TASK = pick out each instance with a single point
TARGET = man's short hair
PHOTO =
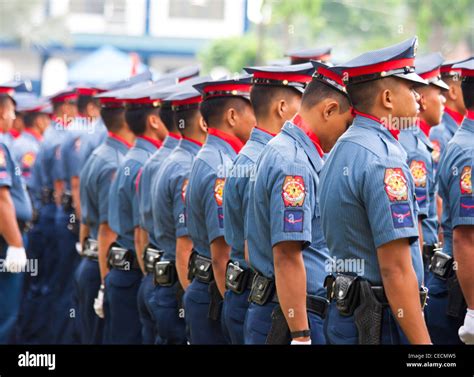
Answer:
(113, 118)
(213, 109)
(137, 118)
(262, 97)
(29, 118)
(185, 117)
(468, 93)
(317, 90)
(167, 116)
(85, 100)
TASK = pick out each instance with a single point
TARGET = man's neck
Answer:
(153, 135)
(195, 133)
(224, 128)
(127, 135)
(272, 126)
(454, 106)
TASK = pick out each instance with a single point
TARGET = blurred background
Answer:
(54, 43)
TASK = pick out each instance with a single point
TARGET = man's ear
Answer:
(231, 117)
(452, 93)
(387, 98)
(331, 107)
(422, 101)
(281, 108)
(153, 121)
(202, 124)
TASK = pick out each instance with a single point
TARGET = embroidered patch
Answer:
(421, 196)
(220, 215)
(419, 173)
(467, 206)
(219, 190)
(401, 215)
(28, 160)
(395, 184)
(466, 181)
(184, 188)
(293, 220)
(436, 152)
(293, 191)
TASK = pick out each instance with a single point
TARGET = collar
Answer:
(300, 123)
(174, 135)
(34, 133)
(233, 141)
(458, 117)
(264, 130)
(190, 145)
(470, 114)
(155, 142)
(15, 133)
(260, 136)
(424, 127)
(193, 141)
(394, 133)
(120, 139)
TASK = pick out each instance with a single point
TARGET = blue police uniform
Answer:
(25, 149)
(236, 201)
(145, 293)
(458, 209)
(169, 215)
(121, 286)
(290, 161)
(96, 180)
(367, 196)
(11, 283)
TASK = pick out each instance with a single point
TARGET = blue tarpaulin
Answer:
(103, 65)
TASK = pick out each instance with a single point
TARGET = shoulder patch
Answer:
(219, 190)
(436, 153)
(466, 181)
(293, 191)
(419, 173)
(184, 188)
(395, 184)
(28, 160)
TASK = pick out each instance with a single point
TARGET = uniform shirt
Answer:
(283, 205)
(6, 138)
(145, 184)
(236, 196)
(169, 196)
(124, 214)
(25, 149)
(442, 133)
(96, 179)
(205, 190)
(420, 161)
(10, 177)
(455, 182)
(367, 199)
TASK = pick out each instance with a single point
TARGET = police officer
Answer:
(169, 215)
(8, 89)
(145, 184)
(123, 281)
(285, 242)
(275, 96)
(419, 149)
(454, 110)
(368, 212)
(15, 211)
(451, 285)
(228, 115)
(95, 182)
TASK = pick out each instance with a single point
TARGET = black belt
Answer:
(379, 293)
(314, 304)
(122, 259)
(47, 196)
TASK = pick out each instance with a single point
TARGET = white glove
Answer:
(466, 331)
(15, 260)
(79, 248)
(300, 343)
(99, 303)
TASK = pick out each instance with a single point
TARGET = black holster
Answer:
(344, 289)
(279, 331)
(215, 305)
(368, 315)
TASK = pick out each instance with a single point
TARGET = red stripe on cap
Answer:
(449, 69)
(64, 97)
(86, 91)
(188, 101)
(379, 67)
(330, 75)
(430, 74)
(9, 91)
(143, 100)
(467, 72)
(228, 87)
(296, 77)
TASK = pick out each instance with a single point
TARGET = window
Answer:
(204, 9)
(87, 6)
